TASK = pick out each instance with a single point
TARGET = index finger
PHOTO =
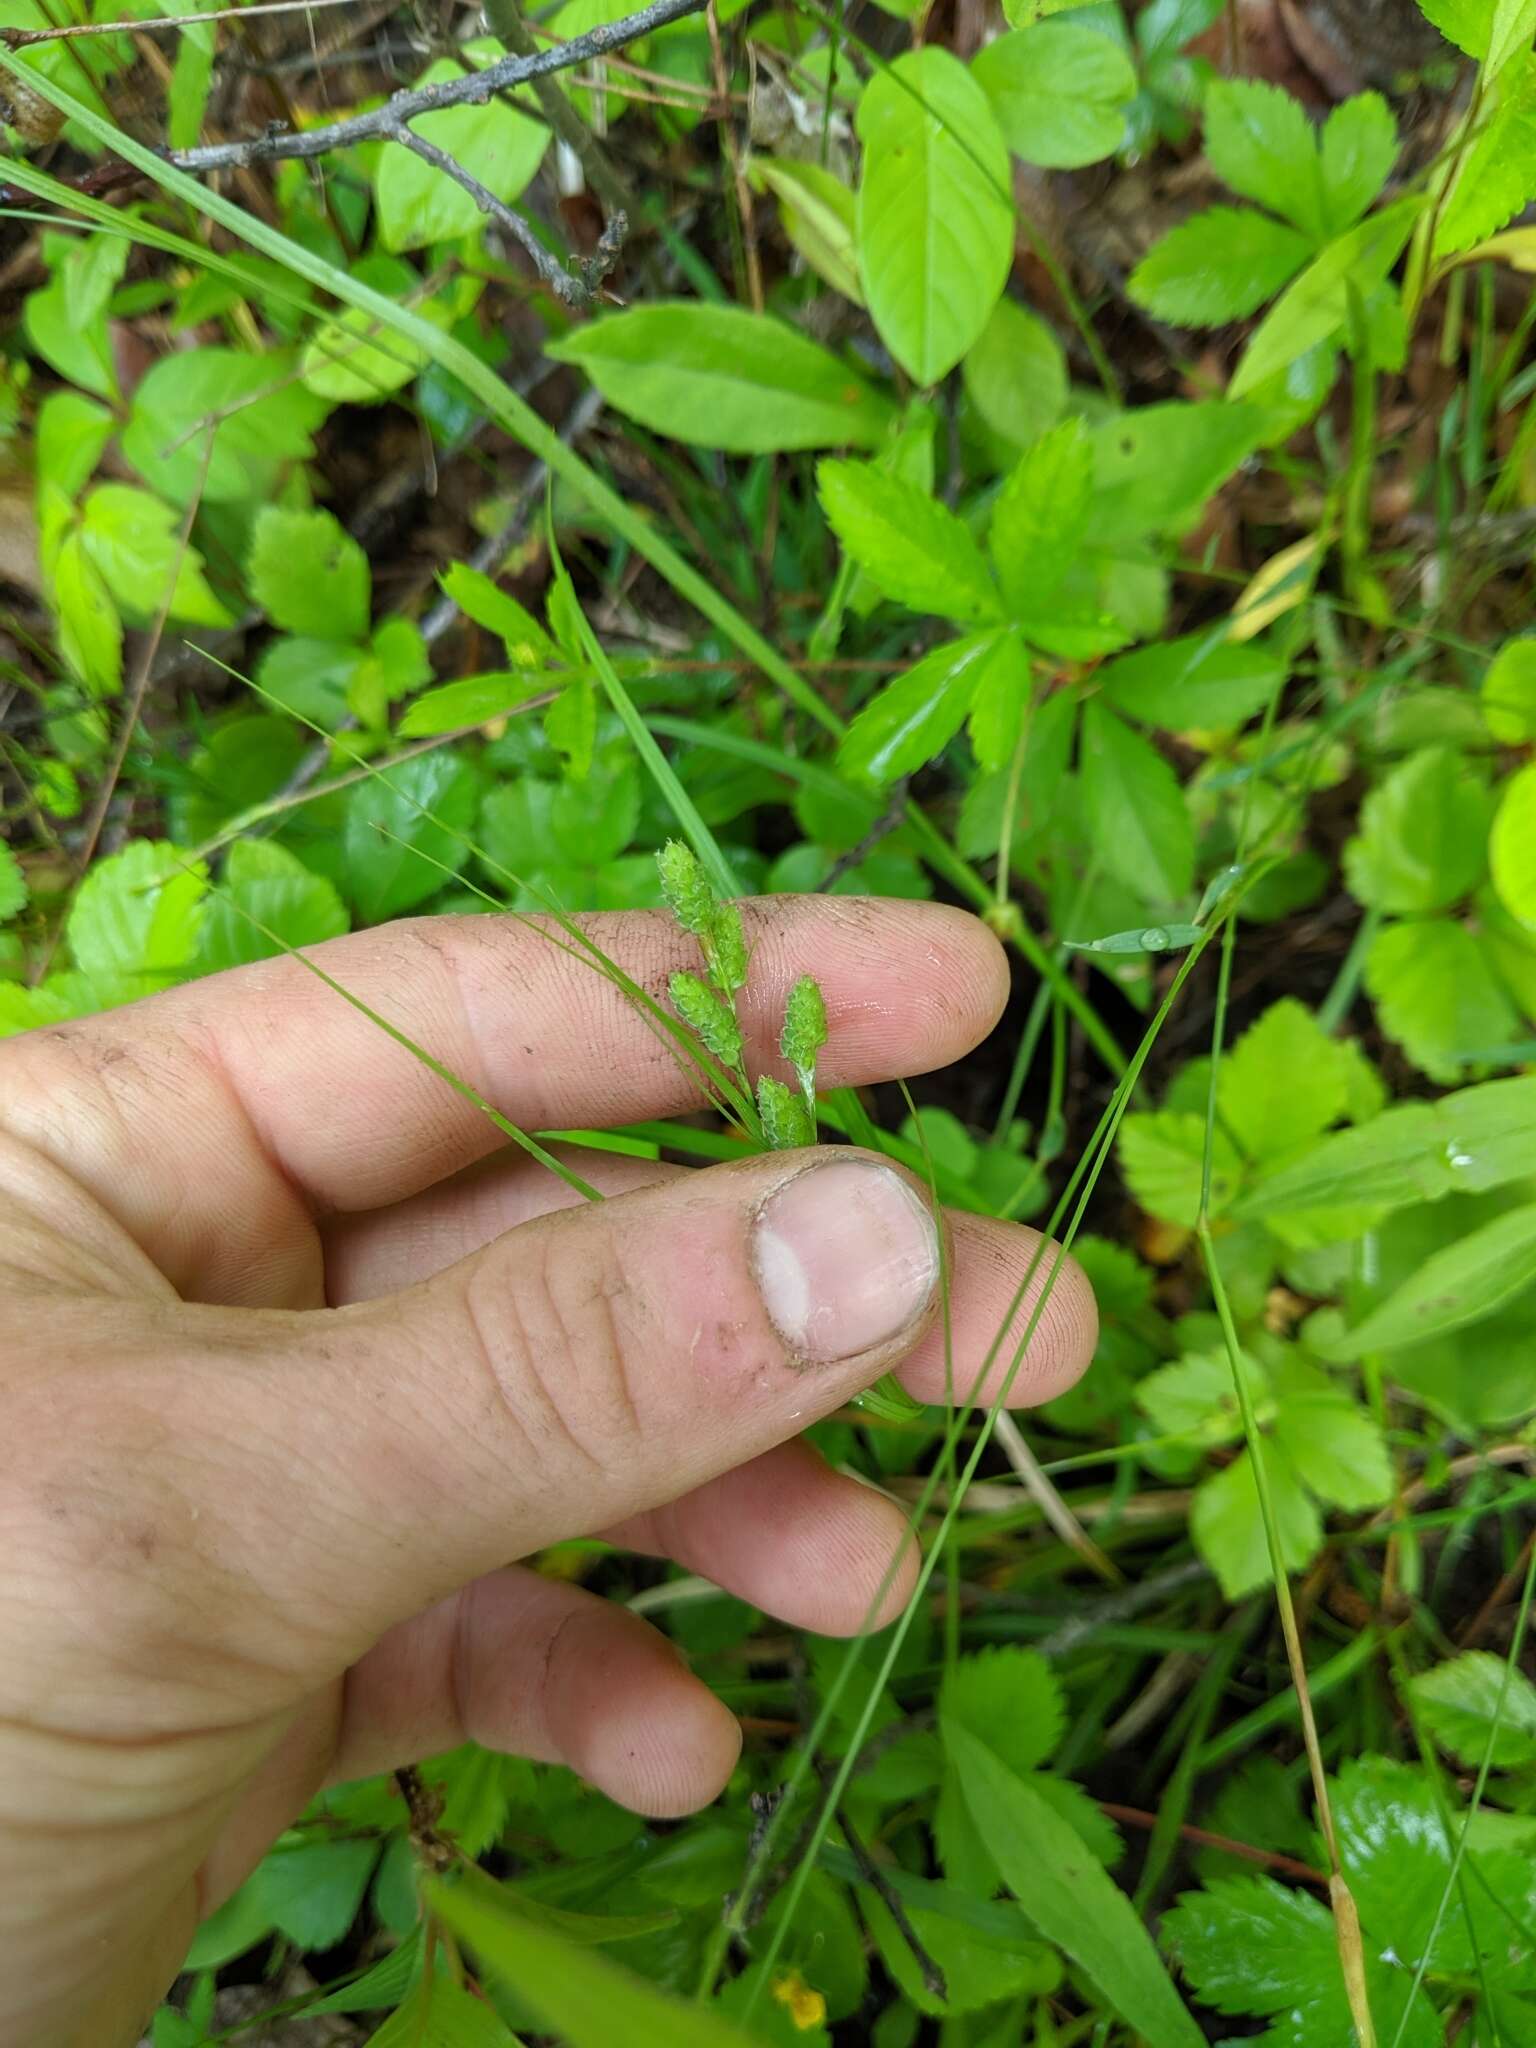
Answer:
(270, 1085)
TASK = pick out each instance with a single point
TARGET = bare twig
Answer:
(506, 19)
(933, 1977)
(473, 89)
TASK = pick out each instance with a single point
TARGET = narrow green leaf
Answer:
(1316, 306)
(1067, 1894)
(917, 716)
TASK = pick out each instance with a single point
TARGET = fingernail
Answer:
(846, 1257)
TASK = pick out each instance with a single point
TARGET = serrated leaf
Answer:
(1197, 1397)
(1136, 810)
(729, 379)
(266, 883)
(1201, 682)
(935, 210)
(1219, 265)
(1283, 1082)
(1161, 1157)
(135, 542)
(395, 856)
(138, 912)
(476, 700)
(1040, 517)
(1316, 307)
(1228, 1528)
(1499, 172)
(1011, 1700)
(1357, 150)
(1336, 1445)
(1000, 701)
(1471, 1698)
(1060, 92)
(1067, 1894)
(1463, 1282)
(309, 575)
(912, 548)
(1436, 994)
(1250, 1945)
(1259, 141)
(312, 1892)
(916, 717)
(1422, 837)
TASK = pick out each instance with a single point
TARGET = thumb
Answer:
(597, 1362)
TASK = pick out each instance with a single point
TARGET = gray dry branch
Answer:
(391, 123)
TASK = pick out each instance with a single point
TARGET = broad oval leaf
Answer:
(724, 378)
(1201, 682)
(1436, 993)
(1512, 846)
(1060, 92)
(1467, 1280)
(397, 854)
(935, 214)
(917, 716)
(1067, 1893)
(419, 204)
(1015, 374)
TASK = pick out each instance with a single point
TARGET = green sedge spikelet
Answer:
(707, 1017)
(686, 888)
(804, 1034)
(783, 1116)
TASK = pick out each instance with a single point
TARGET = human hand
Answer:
(292, 1365)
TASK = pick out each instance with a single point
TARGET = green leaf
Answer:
(90, 630)
(1499, 171)
(978, 1969)
(1259, 141)
(935, 211)
(238, 1925)
(72, 433)
(1509, 693)
(1196, 1396)
(912, 548)
(1011, 1700)
(1135, 807)
(309, 575)
(742, 382)
(577, 1993)
(1202, 682)
(1423, 834)
(312, 1892)
(1512, 846)
(1466, 23)
(1041, 516)
(135, 542)
(441, 2014)
(66, 319)
(819, 214)
(219, 422)
(1436, 994)
(353, 360)
(1067, 1895)
(1316, 307)
(1465, 1281)
(1000, 701)
(1156, 468)
(1472, 1697)
(419, 204)
(1219, 265)
(268, 883)
(1015, 374)
(1283, 1082)
(1250, 1945)
(393, 869)
(1060, 92)
(1335, 1444)
(13, 885)
(478, 598)
(1161, 1156)
(474, 701)
(1358, 148)
(311, 679)
(138, 912)
(1228, 1528)
(382, 1987)
(1472, 1140)
(917, 716)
